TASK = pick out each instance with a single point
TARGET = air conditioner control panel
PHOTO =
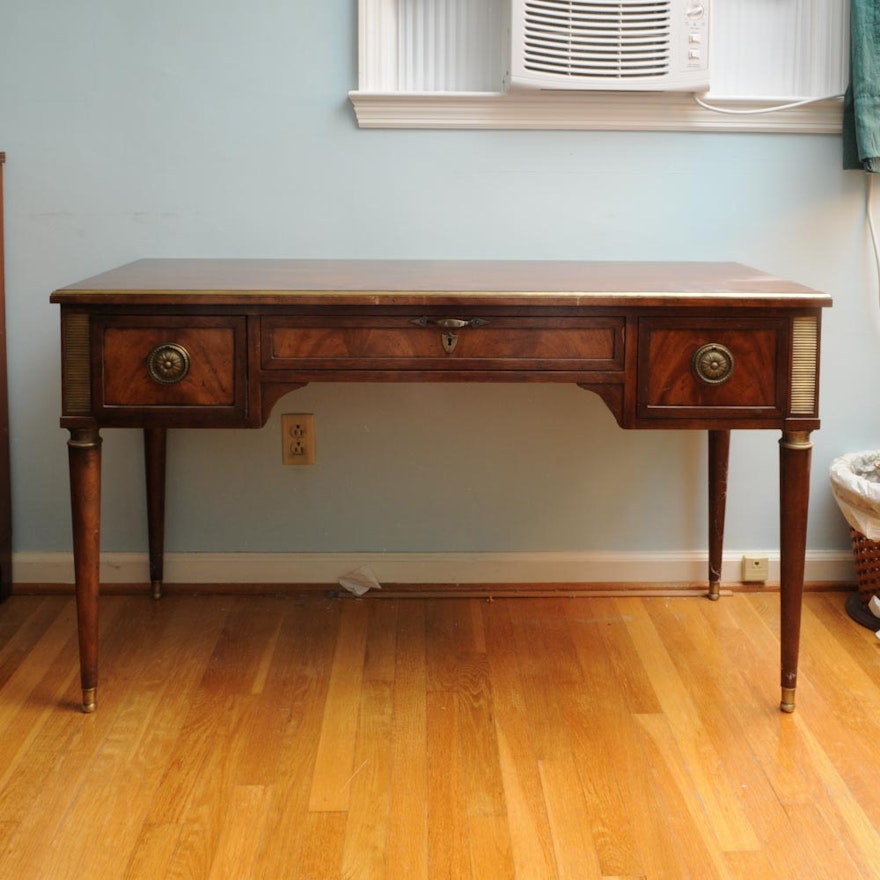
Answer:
(696, 32)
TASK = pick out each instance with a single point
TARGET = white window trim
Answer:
(586, 111)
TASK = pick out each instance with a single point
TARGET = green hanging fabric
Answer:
(861, 106)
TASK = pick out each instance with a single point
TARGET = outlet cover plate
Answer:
(755, 568)
(298, 438)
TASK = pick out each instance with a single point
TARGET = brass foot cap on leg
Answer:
(787, 703)
(156, 589)
(714, 590)
(89, 703)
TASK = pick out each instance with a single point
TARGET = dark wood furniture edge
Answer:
(5, 470)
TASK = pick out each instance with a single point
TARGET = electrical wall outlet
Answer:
(298, 438)
(755, 568)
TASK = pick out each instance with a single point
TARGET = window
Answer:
(441, 64)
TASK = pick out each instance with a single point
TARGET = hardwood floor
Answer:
(284, 737)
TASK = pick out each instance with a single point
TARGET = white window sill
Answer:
(595, 111)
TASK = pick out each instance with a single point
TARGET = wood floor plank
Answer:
(450, 654)
(530, 834)
(606, 654)
(448, 834)
(334, 765)
(696, 835)
(369, 791)
(319, 855)
(829, 819)
(529, 826)
(22, 624)
(380, 652)
(209, 807)
(7, 831)
(828, 711)
(743, 725)
(451, 633)
(605, 739)
(849, 711)
(47, 751)
(752, 865)
(199, 789)
(484, 790)
(856, 641)
(491, 858)
(112, 801)
(705, 767)
(299, 681)
(21, 704)
(272, 697)
(820, 853)
(188, 710)
(573, 847)
(241, 838)
(548, 662)
(406, 854)
(152, 851)
(843, 802)
(729, 713)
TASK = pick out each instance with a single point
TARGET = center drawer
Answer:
(450, 343)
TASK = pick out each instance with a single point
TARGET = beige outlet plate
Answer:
(755, 568)
(298, 438)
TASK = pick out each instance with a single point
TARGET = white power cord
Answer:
(755, 110)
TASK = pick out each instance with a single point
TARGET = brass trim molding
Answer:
(76, 390)
(804, 365)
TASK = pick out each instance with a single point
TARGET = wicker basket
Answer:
(866, 554)
(867, 558)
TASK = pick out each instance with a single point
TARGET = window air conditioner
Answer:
(621, 45)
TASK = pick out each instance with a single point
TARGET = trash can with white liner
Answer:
(855, 484)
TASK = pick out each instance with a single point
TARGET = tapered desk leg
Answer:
(719, 454)
(84, 454)
(154, 458)
(795, 453)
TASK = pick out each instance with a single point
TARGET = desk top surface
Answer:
(439, 282)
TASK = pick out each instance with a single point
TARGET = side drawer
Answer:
(170, 364)
(689, 368)
(435, 343)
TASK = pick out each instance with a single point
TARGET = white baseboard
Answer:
(421, 568)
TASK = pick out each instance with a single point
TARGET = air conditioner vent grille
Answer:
(601, 38)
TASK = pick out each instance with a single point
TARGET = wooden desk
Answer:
(161, 344)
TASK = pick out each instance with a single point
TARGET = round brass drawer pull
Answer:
(168, 363)
(713, 363)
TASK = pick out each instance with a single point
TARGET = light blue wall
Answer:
(223, 128)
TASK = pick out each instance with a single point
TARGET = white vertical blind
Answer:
(450, 45)
(779, 48)
(377, 38)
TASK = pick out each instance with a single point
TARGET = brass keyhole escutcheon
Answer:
(449, 328)
(713, 363)
(449, 340)
(168, 363)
